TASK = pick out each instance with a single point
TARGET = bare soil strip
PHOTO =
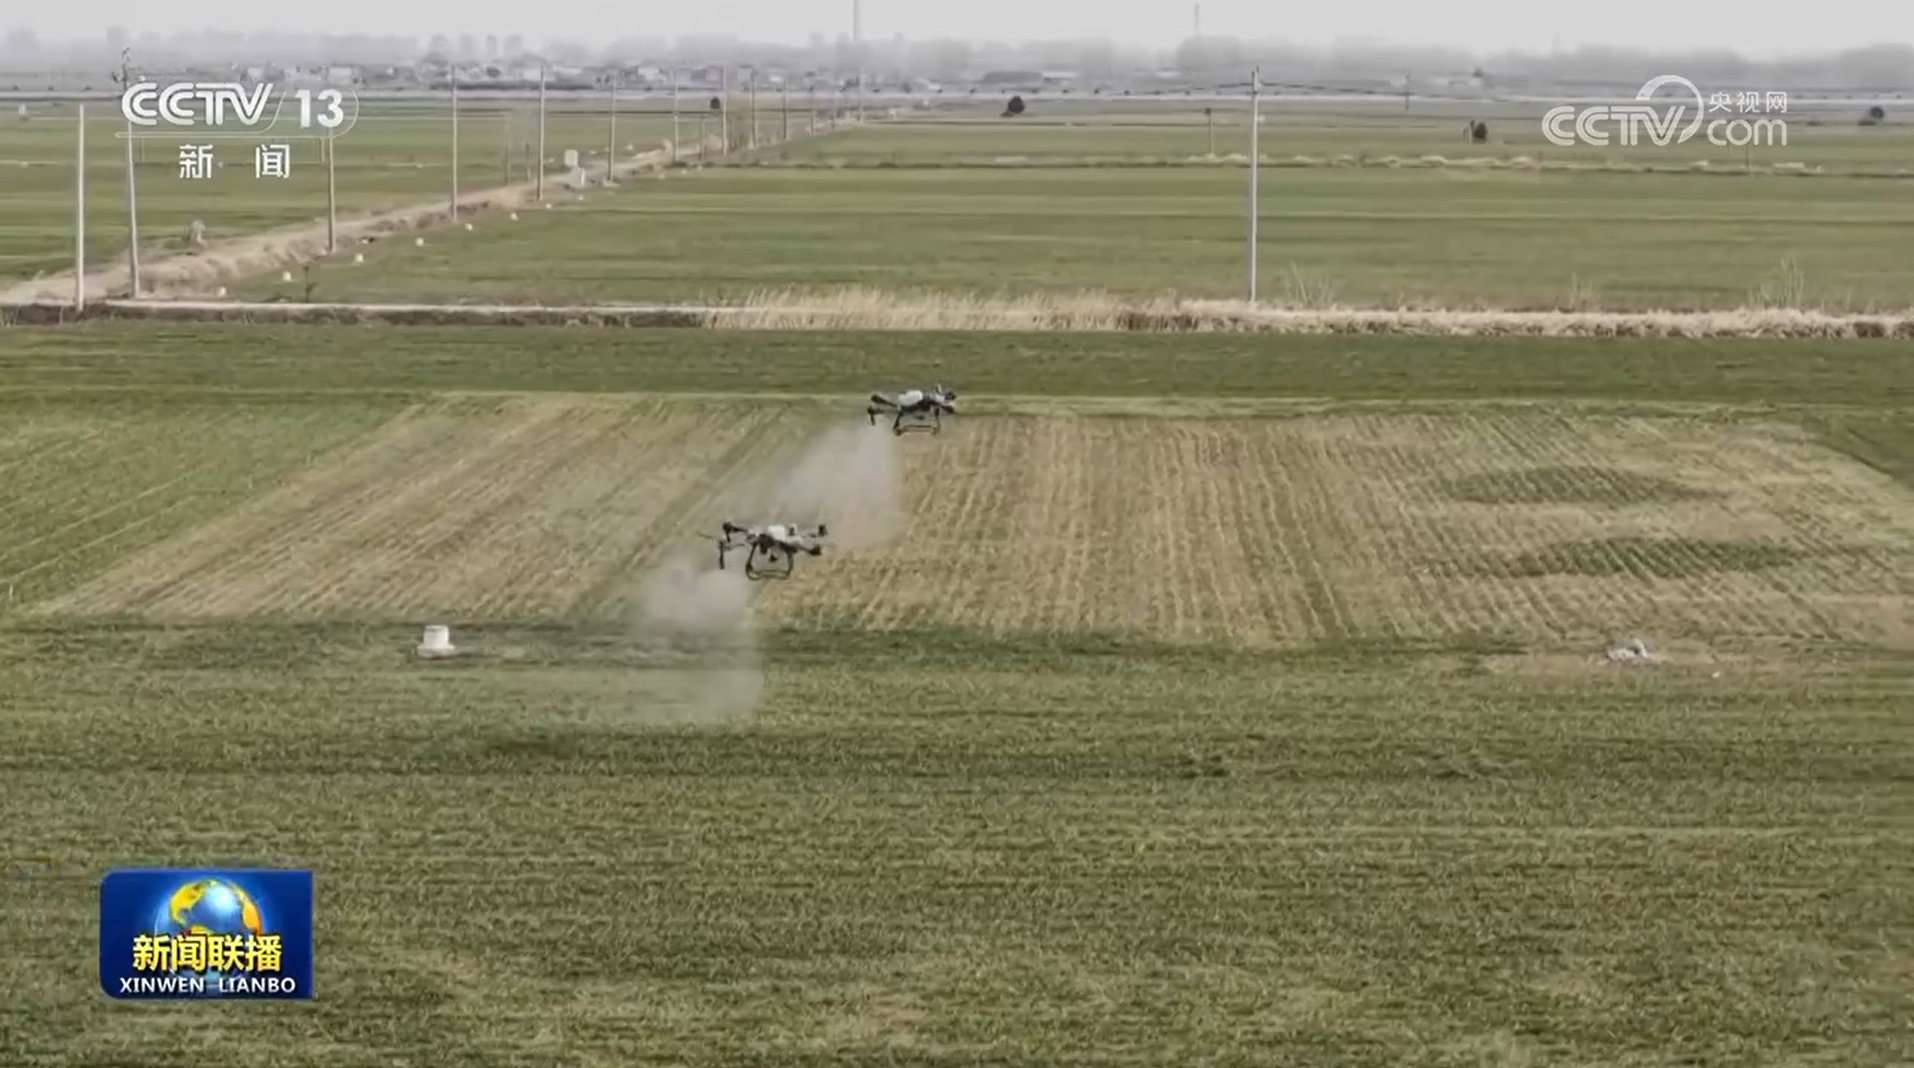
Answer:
(864, 310)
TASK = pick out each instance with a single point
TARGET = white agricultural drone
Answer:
(915, 409)
(773, 549)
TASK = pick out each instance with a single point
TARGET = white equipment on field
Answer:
(1632, 653)
(437, 643)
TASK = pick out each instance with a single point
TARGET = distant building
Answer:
(1011, 79)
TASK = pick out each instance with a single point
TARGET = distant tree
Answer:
(1875, 116)
(1478, 131)
(1014, 108)
(717, 104)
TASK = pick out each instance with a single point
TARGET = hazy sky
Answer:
(1756, 29)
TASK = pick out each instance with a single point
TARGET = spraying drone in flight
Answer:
(915, 409)
(773, 549)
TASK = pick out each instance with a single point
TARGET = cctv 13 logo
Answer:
(175, 933)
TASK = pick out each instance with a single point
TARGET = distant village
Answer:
(436, 73)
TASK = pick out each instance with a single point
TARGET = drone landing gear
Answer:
(904, 420)
(903, 424)
(752, 570)
(780, 565)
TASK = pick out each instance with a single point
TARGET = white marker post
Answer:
(1255, 165)
(79, 220)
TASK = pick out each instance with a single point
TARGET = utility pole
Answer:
(857, 45)
(79, 221)
(540, 163)
(1255, 165)
(724, 109)
(674, 119)
(784, 110)
(332, 195)
(132, 196)
(455, 145)
(810, 109)
(611, 150)
(751, 91)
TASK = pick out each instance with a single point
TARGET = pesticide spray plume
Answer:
(850, 477)
(686, 606)
(700, 652)
(693, 622)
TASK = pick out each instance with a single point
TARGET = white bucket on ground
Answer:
(437, 642)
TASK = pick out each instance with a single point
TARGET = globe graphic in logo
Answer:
(212, 907)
